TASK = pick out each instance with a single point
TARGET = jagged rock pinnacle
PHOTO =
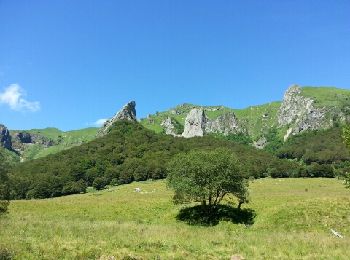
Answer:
(128, 112)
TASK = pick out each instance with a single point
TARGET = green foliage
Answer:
(238, 138)
(323, 147)
(4, 185)
(207, 177)
(8, 158)
(274, 140)
(346, 136)
(320, 170)
(129, 152)
(99, 183)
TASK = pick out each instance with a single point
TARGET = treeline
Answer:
(128, 153)
(323, 153)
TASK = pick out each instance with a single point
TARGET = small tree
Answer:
(207, 177)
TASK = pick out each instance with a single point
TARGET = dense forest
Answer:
(130, 152)
(322, 152)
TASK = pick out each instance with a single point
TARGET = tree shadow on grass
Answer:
(211, 216)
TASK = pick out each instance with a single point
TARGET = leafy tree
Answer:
(207, 176)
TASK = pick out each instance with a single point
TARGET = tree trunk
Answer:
(240, 204)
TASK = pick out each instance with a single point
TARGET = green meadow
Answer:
(293, 218)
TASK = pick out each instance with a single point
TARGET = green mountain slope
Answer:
(328, 96)
(59, 140)
(260, 120)
(129, 152)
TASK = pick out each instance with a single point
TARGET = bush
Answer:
(99, 183)
(320, 170)
(4, 206)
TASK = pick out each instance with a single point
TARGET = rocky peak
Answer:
(299, 113)
(194, 123)
(128, 112)
(5, 137)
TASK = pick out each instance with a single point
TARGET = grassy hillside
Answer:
(260, 119)
(328, 96)
(256, 119)
(293, 221)
(62, 141)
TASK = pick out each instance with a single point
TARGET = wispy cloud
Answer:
(13, 96)
(100, 122)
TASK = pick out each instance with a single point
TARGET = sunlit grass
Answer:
(294, 218)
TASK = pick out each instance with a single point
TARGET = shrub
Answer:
(4, 206)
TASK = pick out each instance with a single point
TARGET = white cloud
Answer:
(13, 96)
(100, 122)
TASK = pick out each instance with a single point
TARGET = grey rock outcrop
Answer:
(299, 113)
(23, 137)
(197, 124)
(169, 126)
(128, 112)
(5, 137)
(21, 140)
(194, 123)
(225, 124)
(260, 143)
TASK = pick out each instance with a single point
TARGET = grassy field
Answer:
(293, 221)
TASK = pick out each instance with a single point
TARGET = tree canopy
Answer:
(207, 176)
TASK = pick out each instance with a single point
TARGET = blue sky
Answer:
(69, 63)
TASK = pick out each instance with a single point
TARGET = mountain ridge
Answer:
(302, 109)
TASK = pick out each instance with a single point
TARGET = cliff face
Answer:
(197, 124)
(128, 112)
(170, 126)
(224, 124)
(22, 140)
(5, 137)
(299, 114)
